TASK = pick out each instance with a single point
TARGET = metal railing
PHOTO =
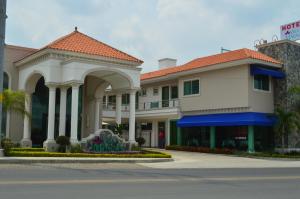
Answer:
(165, 104)
(155, 105)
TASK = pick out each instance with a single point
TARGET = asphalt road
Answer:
(72, 181)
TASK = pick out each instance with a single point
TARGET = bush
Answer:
(140, 141)
(6, 144)
(76, 148)
(87, 155)
(200, 149)
(63, 142)
(28, 149)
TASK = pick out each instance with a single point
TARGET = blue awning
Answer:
(228, 119)
(255, 70)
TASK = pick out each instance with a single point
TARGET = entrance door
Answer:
(161, 134)
(165, 96)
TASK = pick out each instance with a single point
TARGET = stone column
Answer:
(74, 113)
(62, 111)
(26, 141)
(132, 117)
(119, 108)
(49, 144)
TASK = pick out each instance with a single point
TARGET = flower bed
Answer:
(28, 153)
(200, 149)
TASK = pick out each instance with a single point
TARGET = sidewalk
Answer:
(189, 160)
(28, 160)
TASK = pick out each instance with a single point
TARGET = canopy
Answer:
(255, 70)
(228, 119)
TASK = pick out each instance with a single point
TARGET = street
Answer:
(72, 181)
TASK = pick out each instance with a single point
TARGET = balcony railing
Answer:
(155, 105)
(174, 103)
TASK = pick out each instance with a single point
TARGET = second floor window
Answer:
(155, 91)
(143, 92)
(191, 87)
(174, 92)
(261, 82)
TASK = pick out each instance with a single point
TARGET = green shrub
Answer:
(7, 145)
(63, 142)
(140, 141)
(76, 148)
(87, 155)
(28, 149)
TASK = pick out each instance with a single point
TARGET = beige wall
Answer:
(12, 54)
(223, 88)
(261, 101)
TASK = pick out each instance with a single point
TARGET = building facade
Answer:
(223, 100)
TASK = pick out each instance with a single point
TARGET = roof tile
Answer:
(211, 60)
(81, 43)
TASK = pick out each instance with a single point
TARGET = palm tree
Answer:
(14, 101)
(287, 122)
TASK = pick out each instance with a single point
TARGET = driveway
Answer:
(203, 160)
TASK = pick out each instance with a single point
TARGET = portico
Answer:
(71, 62)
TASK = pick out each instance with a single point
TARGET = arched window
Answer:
(4, 113)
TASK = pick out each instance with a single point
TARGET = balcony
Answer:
(156, 108)
(157, 105)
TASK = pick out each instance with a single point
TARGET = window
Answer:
(125, 98)
(112, 99)
(143, 92)
(174, 92)
(155, 91)
(191, 87)
(154, 104)
(261, 82)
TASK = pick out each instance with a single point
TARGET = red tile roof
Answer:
(211, 60)
(81, 43)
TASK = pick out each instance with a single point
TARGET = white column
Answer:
(154, 134)
(26, 141)
(51, 113)
(167, 133)
(118, 108)
(74, 113)
(62, 111)
(97, 113)
(132, 117)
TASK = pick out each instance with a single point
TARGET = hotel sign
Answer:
(290, 31)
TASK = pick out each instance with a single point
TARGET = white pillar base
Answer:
(50, 145)
(74, 142)
(26, 143)
(1, 152)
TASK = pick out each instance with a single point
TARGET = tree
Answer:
(287, 122)
(14, 101)
(118, 129)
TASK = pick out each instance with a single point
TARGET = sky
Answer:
(152, 29)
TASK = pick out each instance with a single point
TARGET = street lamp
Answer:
(2, 39)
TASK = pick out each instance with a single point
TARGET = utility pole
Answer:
(2, 40)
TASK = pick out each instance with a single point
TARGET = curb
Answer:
(82, 160)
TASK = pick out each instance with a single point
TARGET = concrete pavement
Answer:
(202, 160)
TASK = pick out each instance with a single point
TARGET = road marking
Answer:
(144, 180)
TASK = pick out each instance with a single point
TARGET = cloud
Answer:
(153, 29)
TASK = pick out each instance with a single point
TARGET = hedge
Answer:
(200, 149)
(87, 155)
(28, 149)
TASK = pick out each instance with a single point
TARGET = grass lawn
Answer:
(39, 152)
